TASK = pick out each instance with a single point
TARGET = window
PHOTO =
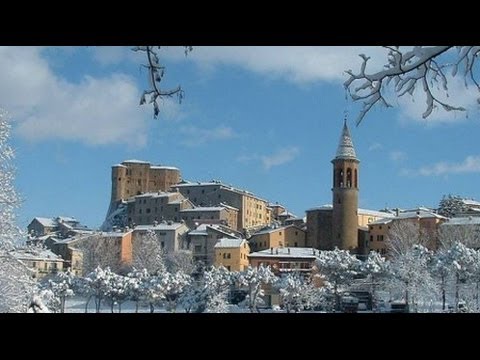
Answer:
(55, 265)
(139, 182)
(296, 233)
(45, 266)
(224, 255)
(279, 233)
(198, 248)
(119, 179)
(34, 264)
(371, 237)
(380, 227)
(203, 191)
(162, 244)
(148, 211)
(229, 256)
(228, 268)
(296, 244)
(139, 211)
(188, 191)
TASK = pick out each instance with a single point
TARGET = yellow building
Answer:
(135, 177)
(232, 254)
(41, 262)
(273, 237)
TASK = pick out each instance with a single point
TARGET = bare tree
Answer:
(147, 253)
(100, 251)
(403, 235)
(156, 72)
(426, 67)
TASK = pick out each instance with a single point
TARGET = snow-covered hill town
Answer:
(168, 244)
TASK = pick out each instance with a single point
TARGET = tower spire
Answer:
(345, 148)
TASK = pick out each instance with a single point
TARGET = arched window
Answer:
(356, 179)
(349, 177)
(340, 178)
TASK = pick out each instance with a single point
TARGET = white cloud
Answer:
(280, 157)
(111, 55)
(195, 136)
(471, 164)
(45, 106)
(397, 156)
(299, 64)
(375, 146)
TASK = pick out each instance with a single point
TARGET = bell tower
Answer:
(345, 193)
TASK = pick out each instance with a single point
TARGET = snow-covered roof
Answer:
(34, 254)
(172, 226)
(407, 215)
(204, 208)
(469, 220)
(160, 167)
(471, 202)
(290, 252)
(202, 229)
(156, 194)
(220, 184)
(67, 219)
(382, 221)
(287, 213)
(228, 206)
(229, 243)
(270, 229)
(119, 165)
(46, 221)
(134, 161)
(322, 207)
(375, 213)
(345, 148)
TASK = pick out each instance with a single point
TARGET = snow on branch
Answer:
(421, 67)
(156, 72)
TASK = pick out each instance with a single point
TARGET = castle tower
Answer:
(345, 194)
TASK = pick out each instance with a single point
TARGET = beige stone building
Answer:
(135, 177)
(203, 239)
(172, 236)
(41, 262)
(252, 211)
(232, 254)
(148, 208)
(278, 236)
(426, 221)
(223, 214)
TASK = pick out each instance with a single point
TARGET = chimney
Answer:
(271, 250)
(276, 251)
(396, 212)
(288, 250)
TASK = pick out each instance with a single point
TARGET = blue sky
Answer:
(266, 119)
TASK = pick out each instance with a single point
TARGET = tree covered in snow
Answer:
(117, 291)
(463, 262)
(376, 269)
(298, 293)
(156, 71)
(339, 267)
(407, 69)
(96, 285)
(410, 276)
(173, 285)
(254, 279)
(62, 287)
(16, 284)
(440, 268)
(147, 253)
(208, 291)
(451, 205)
(136, 281)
